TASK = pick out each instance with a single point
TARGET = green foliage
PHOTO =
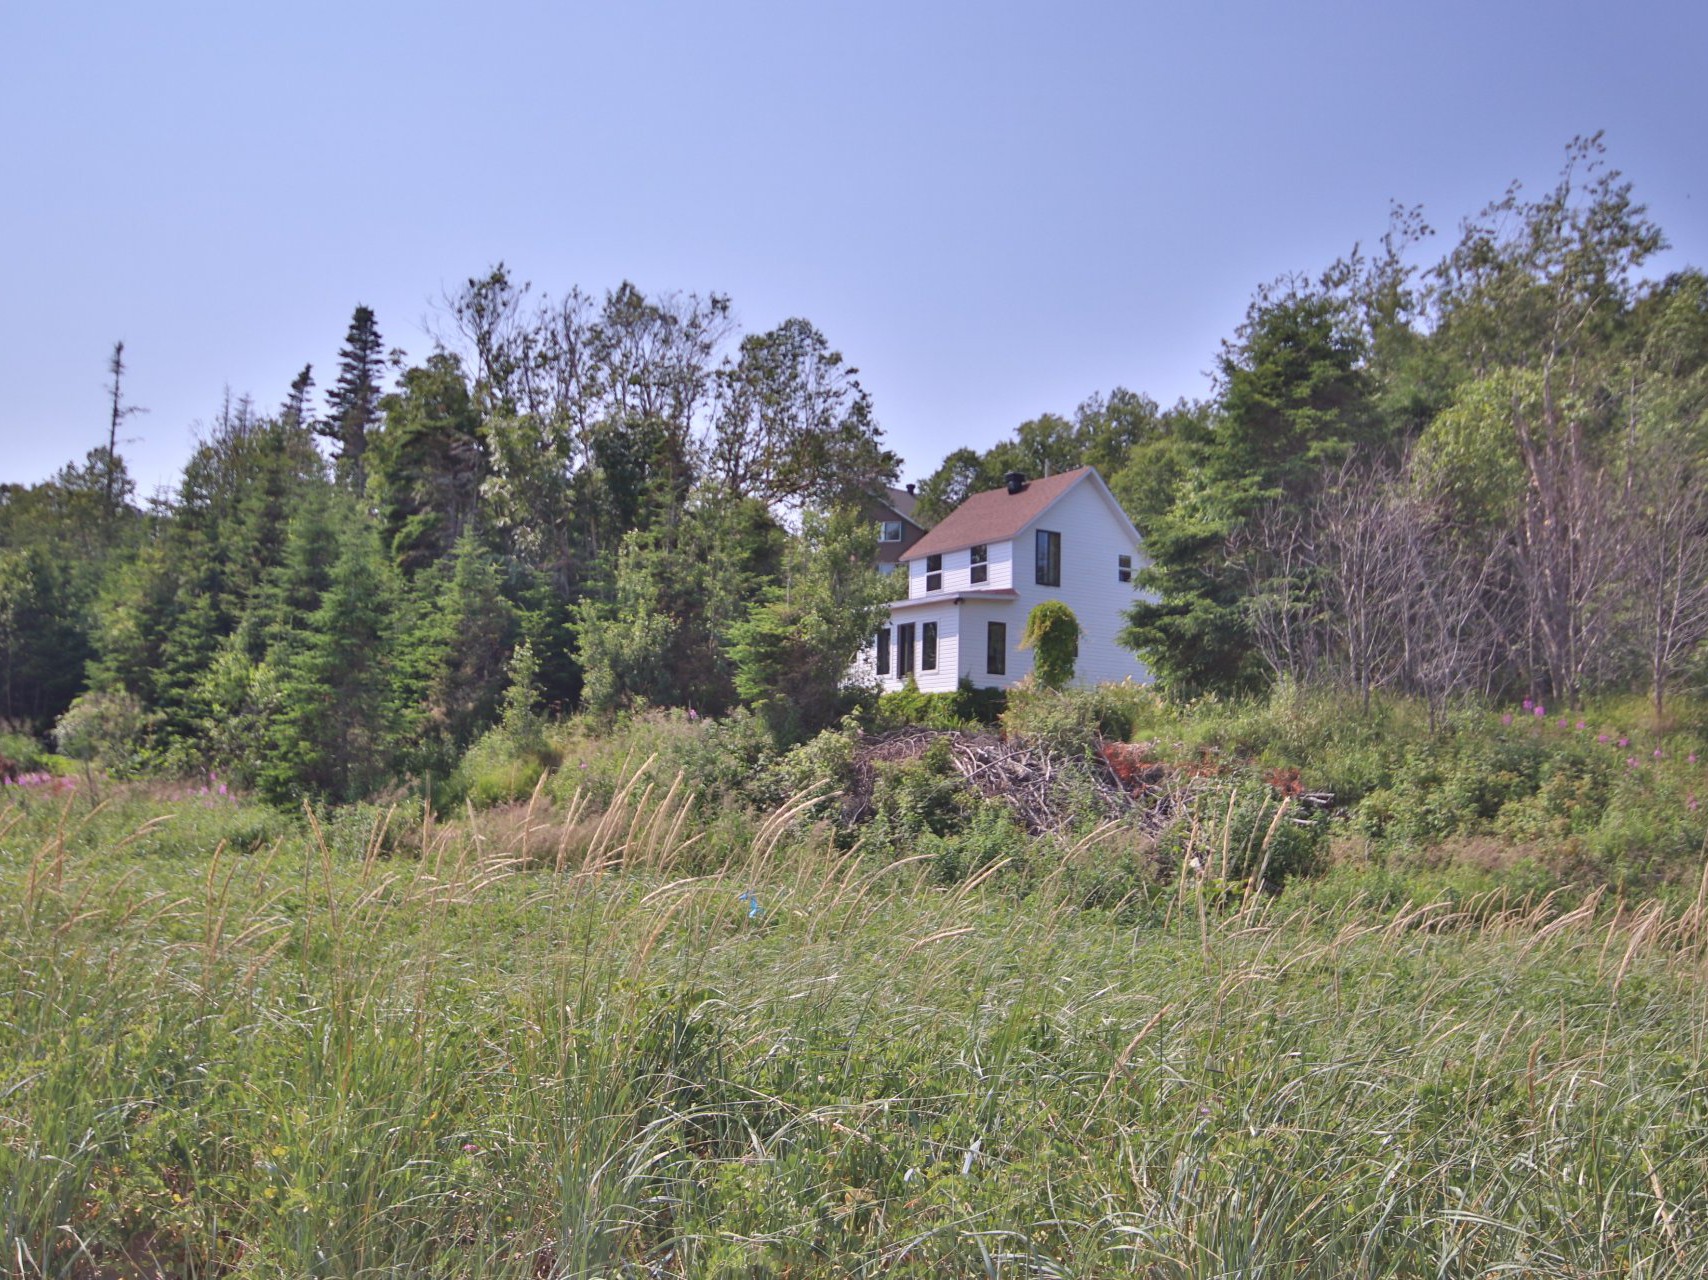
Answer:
(793, 651)
(427, 462)
(965, 706)
(576, 1071)
(1076, 720)
(1053, 633)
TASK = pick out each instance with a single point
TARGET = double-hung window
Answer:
(928, 646)
(1123, 568)
(904, 649)
(889, 531)
(980, 564)
(996, 649)
(933, 573)
(1049, 558)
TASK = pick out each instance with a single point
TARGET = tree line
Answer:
(1472, 476)
(1476, 476)
(570, 502)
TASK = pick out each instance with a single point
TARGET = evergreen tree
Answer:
(335, 734)
(353, 403)
(427, 463)
(1294, 398)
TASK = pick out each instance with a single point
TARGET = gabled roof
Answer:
(997, 515)
(902, 502)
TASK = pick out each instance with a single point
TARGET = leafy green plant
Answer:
(1052, 632)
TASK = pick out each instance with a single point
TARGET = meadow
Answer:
(577, 1034)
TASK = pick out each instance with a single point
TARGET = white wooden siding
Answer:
(1093, 538)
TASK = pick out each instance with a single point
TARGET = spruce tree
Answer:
(353, 403)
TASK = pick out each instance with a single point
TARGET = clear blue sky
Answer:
(993, 210)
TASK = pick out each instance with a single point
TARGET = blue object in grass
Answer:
(752, 901)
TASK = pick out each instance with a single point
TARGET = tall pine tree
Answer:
(353, 403)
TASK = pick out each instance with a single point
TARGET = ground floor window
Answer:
(996, 649)
(883, 651)
(928, 647)
(904, 649)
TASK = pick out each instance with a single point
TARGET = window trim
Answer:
(978, 561)
(884, 530)
(1047, 544)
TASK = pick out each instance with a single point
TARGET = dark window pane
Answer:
(904, 649)
(884, 651)
(1049, 558)
(980, 564)
(928, 647)
(1124, 568)
(933, 573)
(996, 649)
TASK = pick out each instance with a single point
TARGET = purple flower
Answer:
(1582, 725)
(1562, 722)
(1601, 737)
(1624, 742)
(1541, 711)
(1630, 762)
(1528, 704)
(1690, 759)
(1507, 718)
(1657, 753)
(222, 788)
(1690, 802)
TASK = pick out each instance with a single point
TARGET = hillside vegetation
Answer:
(572, 1041)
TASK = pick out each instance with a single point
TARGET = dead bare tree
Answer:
(1362, 542)
(1666, 523)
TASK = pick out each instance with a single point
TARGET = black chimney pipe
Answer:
(1016, 481)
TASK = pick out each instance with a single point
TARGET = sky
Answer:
(992, 210)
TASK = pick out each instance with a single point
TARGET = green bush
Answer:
(1074, 720)
(965, 707)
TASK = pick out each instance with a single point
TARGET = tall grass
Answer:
(561, 1041)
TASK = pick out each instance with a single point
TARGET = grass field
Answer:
(546, 1042)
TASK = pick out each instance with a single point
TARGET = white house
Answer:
(974, 578)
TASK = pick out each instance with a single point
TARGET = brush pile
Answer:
(1047, 789)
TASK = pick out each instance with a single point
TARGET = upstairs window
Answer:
(981, 563)
(928, 647)
(889, 531)
(1049, 558)
(933, 573)
(883, 651)
(1123, 568)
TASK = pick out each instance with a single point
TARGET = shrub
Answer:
(1052, 632)
(965, 707)
(1075, 720)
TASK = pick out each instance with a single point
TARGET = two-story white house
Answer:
(974, 578)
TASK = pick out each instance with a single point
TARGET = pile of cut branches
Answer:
(1047, 790)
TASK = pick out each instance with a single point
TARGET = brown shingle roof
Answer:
(994, 515)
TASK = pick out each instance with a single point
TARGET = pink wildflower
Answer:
(1541, 711)
(1528, 703)
(1601, 737)
(1624, 742)
(1507, 718)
